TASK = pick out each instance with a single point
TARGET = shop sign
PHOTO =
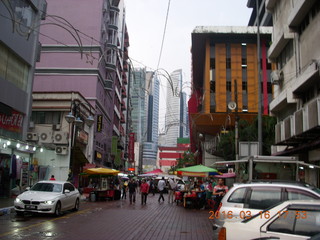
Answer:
(98, 155)
(83, 137)
(131, 169)
(99, 123)
(13, 122)
(131, 148)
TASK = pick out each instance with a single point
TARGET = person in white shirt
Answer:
(161, 186)
(171, 190)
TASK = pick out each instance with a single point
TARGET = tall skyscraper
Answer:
(176, 110)
(145, 115)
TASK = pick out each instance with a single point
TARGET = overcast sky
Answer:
(146, 19)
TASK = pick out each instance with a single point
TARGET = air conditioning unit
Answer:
(45, 137)
(276, 77)
(287, 126)
(62, 150)
(31, 136)
(56, 127)
(31, 125)
(298, 122)
(312, 115)
(278, 133)
(60, 138)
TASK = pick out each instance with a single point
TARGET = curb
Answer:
(6, 211)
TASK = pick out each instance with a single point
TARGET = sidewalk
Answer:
(6, 206)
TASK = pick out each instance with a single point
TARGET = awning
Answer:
(78, 156)
(101, 171)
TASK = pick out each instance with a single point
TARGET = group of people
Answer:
(145, 187)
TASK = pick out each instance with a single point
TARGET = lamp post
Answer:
(76, 119)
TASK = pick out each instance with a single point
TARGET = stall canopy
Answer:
(154, 171)
(101, 171)
(197, 171)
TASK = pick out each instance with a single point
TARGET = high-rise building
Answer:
(176, 110)
(145, 114)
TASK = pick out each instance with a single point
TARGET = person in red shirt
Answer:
(144, 190)
(52, 177)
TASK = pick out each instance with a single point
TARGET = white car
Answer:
(51, 197)
(290, 220)
(246, 200)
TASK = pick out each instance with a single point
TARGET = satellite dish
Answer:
(232, 105)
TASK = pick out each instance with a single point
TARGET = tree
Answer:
(186, 159)
(248, 132)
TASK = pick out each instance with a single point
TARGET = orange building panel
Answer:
(221, 75)
(236, 72)
(252, 78)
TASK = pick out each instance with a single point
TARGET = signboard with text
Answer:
(11, 122)
(131, 148)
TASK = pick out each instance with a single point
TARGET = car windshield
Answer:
(47, 187)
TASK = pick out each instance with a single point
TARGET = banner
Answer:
(13, 122)
(131, 148)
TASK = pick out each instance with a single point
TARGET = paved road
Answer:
(113, 220)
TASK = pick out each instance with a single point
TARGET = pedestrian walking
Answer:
(152, 187)
(52, 178)
(144, 190)
(132, 185)
(171, 189)
(161, 186)
(124, 190)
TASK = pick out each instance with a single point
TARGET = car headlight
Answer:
(49, 202)
(18, 200)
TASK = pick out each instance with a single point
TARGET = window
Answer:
(262, 198)
(238, 196)
(285, 55)
(46, 117)
(228, 86)
(297, 221)
(283, 224)
(295, 194)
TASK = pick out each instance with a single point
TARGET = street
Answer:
(113, 220)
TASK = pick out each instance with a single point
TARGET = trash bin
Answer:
(92, 196)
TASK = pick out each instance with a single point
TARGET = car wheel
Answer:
(76, 205)
(57, 211)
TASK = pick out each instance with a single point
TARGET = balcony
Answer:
(108, 84)
(124, 78)
(122, 118)
(114, 17)
(123, 105)
(123, 91)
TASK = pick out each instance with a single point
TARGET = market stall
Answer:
(100, 188)
(195, 197)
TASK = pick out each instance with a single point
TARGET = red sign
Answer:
(131, 169)
(131, 148)
(13, 122)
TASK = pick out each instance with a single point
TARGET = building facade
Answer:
(19, 51)
(295, 53)
(225, 82)
(91, 61)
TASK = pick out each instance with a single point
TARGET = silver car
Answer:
(51, 197)
(245, 200)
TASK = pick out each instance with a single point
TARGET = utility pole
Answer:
(259, 80)
(236, 120)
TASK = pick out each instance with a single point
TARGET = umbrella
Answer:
(197, 171)
(101, 171)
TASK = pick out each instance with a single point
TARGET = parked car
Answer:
(246, 200)
(290, 220)
(52, 197)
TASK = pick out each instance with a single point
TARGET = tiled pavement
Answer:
(120, 220)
